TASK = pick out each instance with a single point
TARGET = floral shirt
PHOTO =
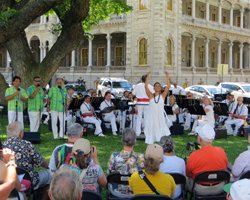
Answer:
(27, 157)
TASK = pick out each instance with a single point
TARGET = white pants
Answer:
(237, 122)
(122, 119)
(142, 109)
(34, 121)
(95, 121)
(110, 117)
(54, 117)
(133, 118)
(201, 123)
(12, 117)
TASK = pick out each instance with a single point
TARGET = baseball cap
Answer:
(81, 145)
(154, 151)
(239, 190)
(206, 132)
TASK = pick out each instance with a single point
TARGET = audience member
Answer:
(241, 164)
(60, 153)
(208, 158)
(27, 157)
(91, 174)
(171, 163)
(239, 190)
(153, 159)
(65, 185)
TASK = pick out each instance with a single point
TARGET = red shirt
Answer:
(207, 158)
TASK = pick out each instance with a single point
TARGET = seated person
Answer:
(175, 109)
(241, 164)
(126, 161)
(208, 158)
(26, 155)
(91, 174)
(239, 190)
(107, 108)
(230, 104)
(88, 116)
(65, 184)
(171, 163)
(61, 152)
(237, 117)
(153, 159)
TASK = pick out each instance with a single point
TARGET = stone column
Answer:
(8, 59)
(242, 18)
(193, 8)
(241, 55)
(41, 52)
(73, 58)
(90, 52)
(108, 37)
(219, 52)
(207, 53)
(248, 56)
(231, 16)
(207, 10)
(220, 12)
(193, 52)
(230, 62)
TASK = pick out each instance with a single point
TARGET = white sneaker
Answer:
(101, 135)
(114, 133)
(192, 133)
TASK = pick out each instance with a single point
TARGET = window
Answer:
(100, 56)
(213, 17)
(202, 57)
(238, 21)
(118, 56)
(143, 52)
(85, 57)
(224, 57)
(189, 10)
(143, 4)
(169, 52)
(69, 59)
(237, 60)
(1, 59)
(213, 59)
(189, 56)
(170, 5)
(224, 19)
(202, 13)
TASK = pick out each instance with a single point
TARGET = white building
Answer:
(188, 38)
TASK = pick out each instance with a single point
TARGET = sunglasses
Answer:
(38, 81)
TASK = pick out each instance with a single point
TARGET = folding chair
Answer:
(213, 178)
(150, 197)
(245, 175)
(180, 179)
(115, 179)
(89, 195)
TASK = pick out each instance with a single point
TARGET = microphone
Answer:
(18, 89)
(60, 87)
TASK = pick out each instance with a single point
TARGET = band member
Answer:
(175, 109)
(237, 117)
(107, 108)
(35, 103)
(142, 102)
(155, 119)
(88, 115)
(16, 97)
(230, 104)
(205, 119)
(57, 105)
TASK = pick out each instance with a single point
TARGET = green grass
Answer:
(233, 146)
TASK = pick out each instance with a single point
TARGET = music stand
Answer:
(220, 108)
(168, 110)
(96, 102)
(75, 104)
(220, 97)
(196, 110)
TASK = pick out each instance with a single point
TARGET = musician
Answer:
(142, 101)
(88, 116)
(205, 119)
(230, 104)
(107, 108)
(175, 109)
(237, 117)
(16, 97)
(35, 103)
(57, 106)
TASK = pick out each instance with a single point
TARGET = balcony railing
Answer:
(115, 19)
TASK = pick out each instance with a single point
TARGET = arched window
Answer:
(143, 52)
(202, 56)
(169, 52)
(143, 4)
(170, 5)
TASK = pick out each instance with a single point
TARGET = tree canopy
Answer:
(76, 17)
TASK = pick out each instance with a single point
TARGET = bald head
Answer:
(240, 100)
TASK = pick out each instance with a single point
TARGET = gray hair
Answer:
(65, 185)
(128, 137)
(14, 129)
(75, 130)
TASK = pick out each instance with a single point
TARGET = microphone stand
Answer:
(63, 103)
(17, 105)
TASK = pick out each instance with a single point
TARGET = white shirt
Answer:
(230, 104)
(178, 90)
(242, 110)
(173, 117)
(86, 108)
(241, 164)
(173, 164)
(140, 92)
(106, 104)
(209, 117)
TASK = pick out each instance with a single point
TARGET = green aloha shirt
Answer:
(35, 104)
(57, 98)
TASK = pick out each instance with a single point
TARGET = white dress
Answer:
(155, 121)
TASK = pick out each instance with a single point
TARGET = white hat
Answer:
(240, 190)
(206, 132)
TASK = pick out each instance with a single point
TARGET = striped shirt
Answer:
(16, 99)
(57, 98)
(35, 104)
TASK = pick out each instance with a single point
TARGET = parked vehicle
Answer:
(236, 88)
(116, 85)
(79, 88)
